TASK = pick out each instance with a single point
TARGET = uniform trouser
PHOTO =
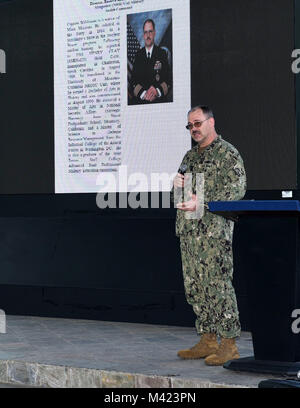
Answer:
(207, 271)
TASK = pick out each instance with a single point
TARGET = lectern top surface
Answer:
(255, 205)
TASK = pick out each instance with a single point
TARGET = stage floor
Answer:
(55, 352)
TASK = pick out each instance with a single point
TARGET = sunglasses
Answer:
(197, 124)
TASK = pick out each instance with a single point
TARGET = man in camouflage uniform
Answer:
(206, 242)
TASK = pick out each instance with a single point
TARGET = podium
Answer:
(269, 257)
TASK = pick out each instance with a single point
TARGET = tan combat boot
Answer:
(226, 351)
(207, 345)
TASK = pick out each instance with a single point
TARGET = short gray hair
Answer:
(205, 109)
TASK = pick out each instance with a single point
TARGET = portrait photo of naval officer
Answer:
(149, 64)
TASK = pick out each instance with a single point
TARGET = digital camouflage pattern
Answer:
(224, 180)
(206, 243)
(207, 273)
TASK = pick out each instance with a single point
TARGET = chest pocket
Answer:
(209, 170)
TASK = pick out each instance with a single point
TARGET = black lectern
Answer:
(270, 259)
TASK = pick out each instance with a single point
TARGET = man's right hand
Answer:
(179, 181)
(151, 94)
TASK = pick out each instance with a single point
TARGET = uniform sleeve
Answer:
(231, 183)
(165, 83)
(137, 80)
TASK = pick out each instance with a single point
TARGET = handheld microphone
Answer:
(182, 169)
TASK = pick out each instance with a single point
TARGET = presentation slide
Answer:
(122, 89)
(94, 94)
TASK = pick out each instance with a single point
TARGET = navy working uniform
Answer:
(206, 243)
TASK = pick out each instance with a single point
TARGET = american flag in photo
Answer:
(133, 46)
